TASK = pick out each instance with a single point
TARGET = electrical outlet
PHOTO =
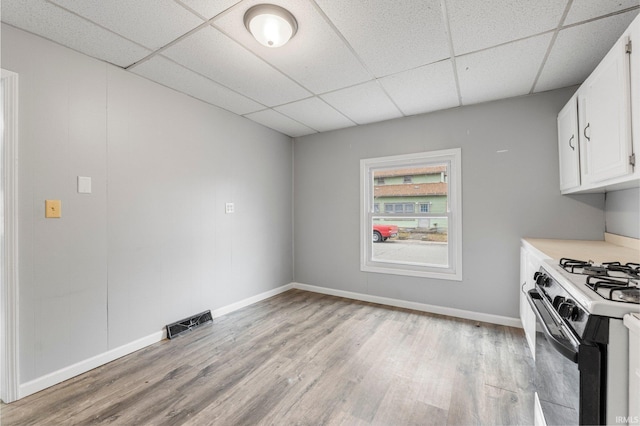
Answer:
(229, 208)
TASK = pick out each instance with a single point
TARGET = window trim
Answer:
(454, 197)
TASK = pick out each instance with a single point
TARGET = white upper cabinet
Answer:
(604, 123)
(568, 145)
(605, 105)
(634, 66)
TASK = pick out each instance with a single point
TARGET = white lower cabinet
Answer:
(530, 261)
(632, 321)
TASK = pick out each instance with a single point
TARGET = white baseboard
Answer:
(250, 301)
(66, 373)
(423, 307)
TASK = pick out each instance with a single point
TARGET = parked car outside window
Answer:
(382, 233)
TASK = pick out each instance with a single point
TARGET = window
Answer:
(403, 208)
(392, 208)
(407, 179)
(380, 181)
(420, 223)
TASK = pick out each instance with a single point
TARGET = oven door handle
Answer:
(563, 344)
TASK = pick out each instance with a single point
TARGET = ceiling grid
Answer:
(350, 63)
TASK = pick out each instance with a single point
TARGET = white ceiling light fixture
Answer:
(271, 25)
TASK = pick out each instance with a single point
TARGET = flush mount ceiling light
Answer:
(271, 25)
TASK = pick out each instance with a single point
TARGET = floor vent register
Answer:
(188, 324)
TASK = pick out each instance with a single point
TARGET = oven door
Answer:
(557, 373)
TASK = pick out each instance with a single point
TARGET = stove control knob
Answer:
(542, 279)
(557, 301)
(569, 310)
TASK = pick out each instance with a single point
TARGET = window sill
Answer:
(450, 276)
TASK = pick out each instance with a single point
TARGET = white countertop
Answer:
(596, 251)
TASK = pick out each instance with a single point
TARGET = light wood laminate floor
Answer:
(303, 358)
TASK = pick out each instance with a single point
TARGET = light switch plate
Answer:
(52, 209)
(229, 208)
(84, 185)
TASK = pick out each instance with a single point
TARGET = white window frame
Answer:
(454, 197)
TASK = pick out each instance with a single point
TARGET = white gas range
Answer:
(582, 374)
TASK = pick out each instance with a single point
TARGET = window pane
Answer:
(426, 189)
(419, 240)
(416, 232)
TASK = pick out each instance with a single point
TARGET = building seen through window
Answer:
(409, 190)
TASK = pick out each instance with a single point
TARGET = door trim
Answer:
(9, 246)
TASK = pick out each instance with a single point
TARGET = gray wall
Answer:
(622, 212)
(505, 196)
(151, 244)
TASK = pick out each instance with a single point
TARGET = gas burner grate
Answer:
(610, 286)
(572, 265)
(632, 269)
(629, 295)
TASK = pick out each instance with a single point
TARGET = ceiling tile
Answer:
(477, 25)
(316, 57)
(365, 61)
(53, 23)
(365, 103)
(152, 23)
(280, 123)
(208, 8)
(213, 54)
(502, 72)
(578, 50)
(425, 89)
(316, 114)
(392, 36)
(582, 10)
(170, 74)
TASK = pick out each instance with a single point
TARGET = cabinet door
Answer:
(635, 85)
(606, 130)
(568, 145)
(527, 317)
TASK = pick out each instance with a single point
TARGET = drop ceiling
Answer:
(352, 62)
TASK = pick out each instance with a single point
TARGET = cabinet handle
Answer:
(570, 139)
(585, 132)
